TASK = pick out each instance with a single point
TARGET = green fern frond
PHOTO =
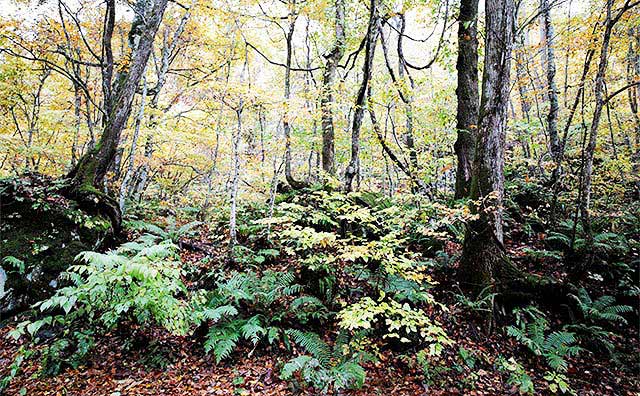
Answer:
(222, 340)
(252, 330)
(218, 313)
(186, 228)
(313, 344)
(558, 339)
(560, 238)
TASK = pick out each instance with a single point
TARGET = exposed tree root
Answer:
(494, 269)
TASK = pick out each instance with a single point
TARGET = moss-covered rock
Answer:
(41, 232)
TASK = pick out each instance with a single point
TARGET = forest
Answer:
(319, 197)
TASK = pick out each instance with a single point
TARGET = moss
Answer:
(46, 231)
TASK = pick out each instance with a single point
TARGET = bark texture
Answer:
(633, 95)
(286, 121)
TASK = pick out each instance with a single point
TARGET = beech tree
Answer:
(599, 92)
(371, 39)
(482, 255)
(552, 90)
(326, 99)
(86, 178)
(467, 95)
(287, 181)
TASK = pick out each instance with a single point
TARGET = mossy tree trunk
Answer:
(90, 171)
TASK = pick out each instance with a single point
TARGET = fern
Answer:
(222, 340)
(305, 307)
(216, 314)
(594, 335)
(348, 375)
(313, 344)
(14, 262)
(252, 329)
(139, 282)
(482, 303)
(325, 369)
(245, 289)
(560, 238)
(554, 347)
(603, 309)
(172, 232)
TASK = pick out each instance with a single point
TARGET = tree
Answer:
(600, 101)
(88, 175)
(286, 122)
(467, 95)
(326, 99)
(483, 252)
(552, 90)
(371, 39)
(633, 95)
(167, 55)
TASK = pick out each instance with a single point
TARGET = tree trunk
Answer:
(353, 168)
(124, 187)
(167, 56)
(482, 255)
(467, 95)
(633, 94)
(552, 90)
(407, 99)
(326, 100)
(234, 183)
(524, 136)
(286, 124)
(89, 173)
(587, 169)
(405, 92)
(78, 121)
(525, 104)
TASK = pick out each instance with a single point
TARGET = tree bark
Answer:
(405, 92)
(326, 100)
(78, 120)
(483, 252)
(353, 168)
(407, 99)
(467, 95)
(235, 178)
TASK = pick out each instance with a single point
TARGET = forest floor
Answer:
(156, 363)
